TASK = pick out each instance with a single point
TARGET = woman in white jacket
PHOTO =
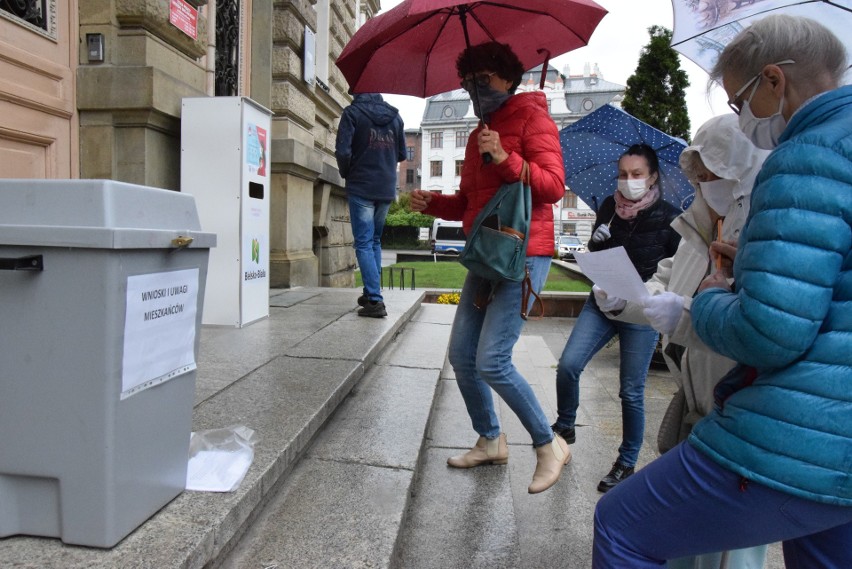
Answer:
(722, 164)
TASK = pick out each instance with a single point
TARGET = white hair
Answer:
(815, 49)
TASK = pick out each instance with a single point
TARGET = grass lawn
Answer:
(450, 275)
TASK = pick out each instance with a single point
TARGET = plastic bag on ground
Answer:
(220, 458)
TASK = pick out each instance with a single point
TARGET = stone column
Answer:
(129, 105)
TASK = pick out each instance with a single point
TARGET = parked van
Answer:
(447, 237)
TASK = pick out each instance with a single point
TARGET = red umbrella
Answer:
(412, 49)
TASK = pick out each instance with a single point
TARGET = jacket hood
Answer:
(372, 105)
(727, 152)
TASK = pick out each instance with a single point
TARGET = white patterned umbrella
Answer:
(702, 28)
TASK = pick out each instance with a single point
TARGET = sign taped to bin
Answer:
(159, 329)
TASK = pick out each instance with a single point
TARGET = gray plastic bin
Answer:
(102, 289)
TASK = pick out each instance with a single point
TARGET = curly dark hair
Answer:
(491, 56)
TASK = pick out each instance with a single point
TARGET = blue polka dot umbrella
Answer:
(592, 146)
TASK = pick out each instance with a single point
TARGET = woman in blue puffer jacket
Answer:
(773, 460)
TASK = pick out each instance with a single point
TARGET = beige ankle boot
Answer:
(551, 458)
(494, 451)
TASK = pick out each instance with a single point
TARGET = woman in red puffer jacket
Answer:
(514, 129)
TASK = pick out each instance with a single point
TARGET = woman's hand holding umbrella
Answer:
(601, 234)
(489, 143)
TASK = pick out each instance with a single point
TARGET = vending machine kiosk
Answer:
(225, 144)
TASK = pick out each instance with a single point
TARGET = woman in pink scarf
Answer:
(637, 218)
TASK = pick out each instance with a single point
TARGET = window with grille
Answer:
(459, 164)
(409, 176)
(436, 168)
(227, 48)
(461, 138)
(409, 151)
(437, 140)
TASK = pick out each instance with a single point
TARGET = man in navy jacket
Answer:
(370, 143)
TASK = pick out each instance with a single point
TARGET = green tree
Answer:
(656, 92)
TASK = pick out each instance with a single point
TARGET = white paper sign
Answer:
(159, 329)
(612, 271)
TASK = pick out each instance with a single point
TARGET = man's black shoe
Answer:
(618, 473)
(363, 300)
(373, 310)
(568, 434)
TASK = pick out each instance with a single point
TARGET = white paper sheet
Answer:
(159, 329)
(612, 271)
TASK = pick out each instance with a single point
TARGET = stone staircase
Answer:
(313, 360)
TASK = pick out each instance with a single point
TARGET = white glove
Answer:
(601, 234)
(607, 303)
(663, 311)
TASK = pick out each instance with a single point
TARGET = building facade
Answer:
(448, 120)
(93, 89)
(409, 173)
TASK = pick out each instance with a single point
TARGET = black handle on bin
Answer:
(31, 263)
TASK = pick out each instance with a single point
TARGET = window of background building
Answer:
(437, 140)
(436, 168)
(409, 150)
(461, 138)
(459, 164)
(409, 176)
(570, 200)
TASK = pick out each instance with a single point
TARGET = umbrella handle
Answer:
(486, 156)
(546, 53)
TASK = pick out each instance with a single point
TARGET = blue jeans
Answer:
(368, 222)
(591, 332)
(683, 503)
(480, 352)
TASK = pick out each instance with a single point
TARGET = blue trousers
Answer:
(480, 352)
(591, 332)
(683, 503)
(368, 222)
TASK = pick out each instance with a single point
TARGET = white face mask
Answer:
(719, 195)
(634, 188)
(763, 132)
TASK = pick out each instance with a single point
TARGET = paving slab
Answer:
(449, 523)
(331, 514)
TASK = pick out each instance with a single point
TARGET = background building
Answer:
(409, 171)
(448, 120)
(93, 89)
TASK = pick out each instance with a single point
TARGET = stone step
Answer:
(345, 501)
(283, 377)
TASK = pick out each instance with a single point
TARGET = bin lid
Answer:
(97, 214)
